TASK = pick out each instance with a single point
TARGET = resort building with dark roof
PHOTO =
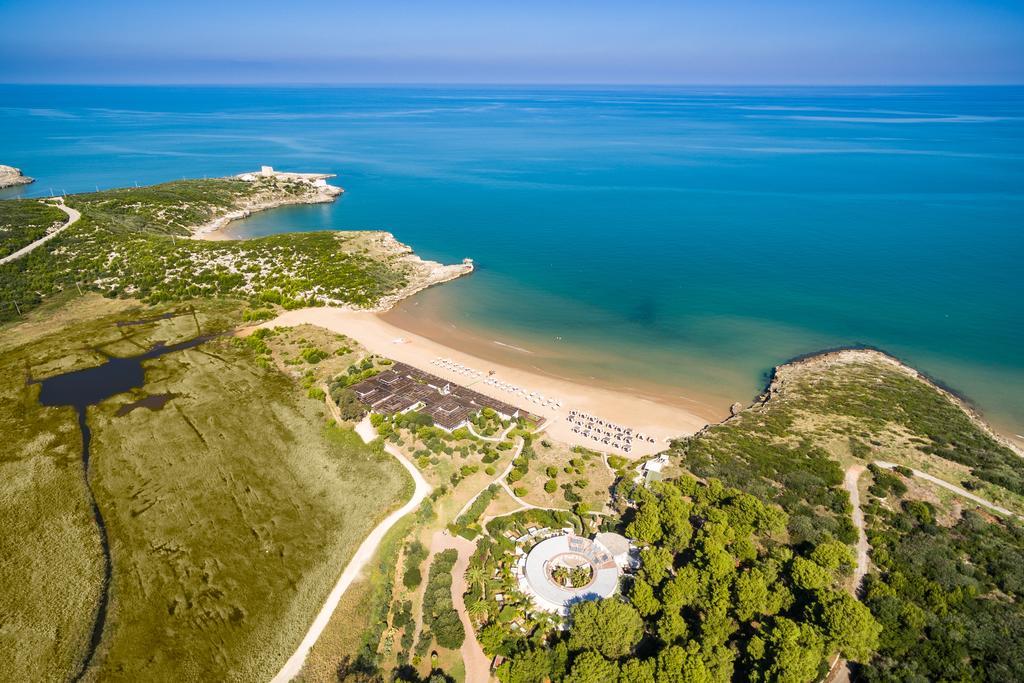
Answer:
(403, 388)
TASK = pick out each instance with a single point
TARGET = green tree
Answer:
(681, 589)
(678, 665)
(637, 671)
(610, 627)
(675, 519)
(476, 575)
(591, 667)
(532, 666)
(642, 597)
(793, 652)
(656, 562)
(752, 594)
(646, 526)
(492, 638)
(849, 626)
(809, 575)
(672, 627)
(833, 556)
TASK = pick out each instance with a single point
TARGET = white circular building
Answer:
(564, 570)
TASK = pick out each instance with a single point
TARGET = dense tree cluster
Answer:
(755, 453)
(720, 596)
(951, 599)
(439, 614)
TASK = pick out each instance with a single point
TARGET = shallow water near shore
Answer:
(678, 241)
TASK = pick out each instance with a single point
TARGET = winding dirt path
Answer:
(73, 217)
(363, 555)
(860, 569)
(955, 489)
(839, 671)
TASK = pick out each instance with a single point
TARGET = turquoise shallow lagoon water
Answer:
(697, 236)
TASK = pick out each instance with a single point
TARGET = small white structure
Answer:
(266, 170)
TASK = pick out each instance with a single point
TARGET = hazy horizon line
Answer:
(535, 84)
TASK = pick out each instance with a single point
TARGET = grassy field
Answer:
(50, 557)
(23, 221)
(231, 510)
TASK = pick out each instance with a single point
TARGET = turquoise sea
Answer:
(684, 237)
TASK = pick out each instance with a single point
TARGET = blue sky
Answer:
(525, 41)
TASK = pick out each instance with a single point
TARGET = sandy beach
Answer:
(659, 420)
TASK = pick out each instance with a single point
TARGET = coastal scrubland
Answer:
(23, 221)
(138, 243)
(230, 508)
(947, 590)
(855, 406)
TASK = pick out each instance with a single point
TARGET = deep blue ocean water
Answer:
(691, 237)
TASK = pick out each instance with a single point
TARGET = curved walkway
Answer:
(478, 666)
(73, 217)
(494, 439)
(363, 555)
(497, 480)
(955, 489)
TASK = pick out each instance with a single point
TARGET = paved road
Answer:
(73, 217)
(363, 555)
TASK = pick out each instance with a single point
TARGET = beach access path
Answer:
(73, 217)
(367, 549)
(839, 672)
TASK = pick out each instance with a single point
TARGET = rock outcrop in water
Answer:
(10, 176)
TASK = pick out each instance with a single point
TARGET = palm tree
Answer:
(477, 609)
(476, 576)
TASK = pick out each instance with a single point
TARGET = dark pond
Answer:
(81, 389)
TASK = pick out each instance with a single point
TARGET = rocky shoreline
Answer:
(12, 177)
(312, 194)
